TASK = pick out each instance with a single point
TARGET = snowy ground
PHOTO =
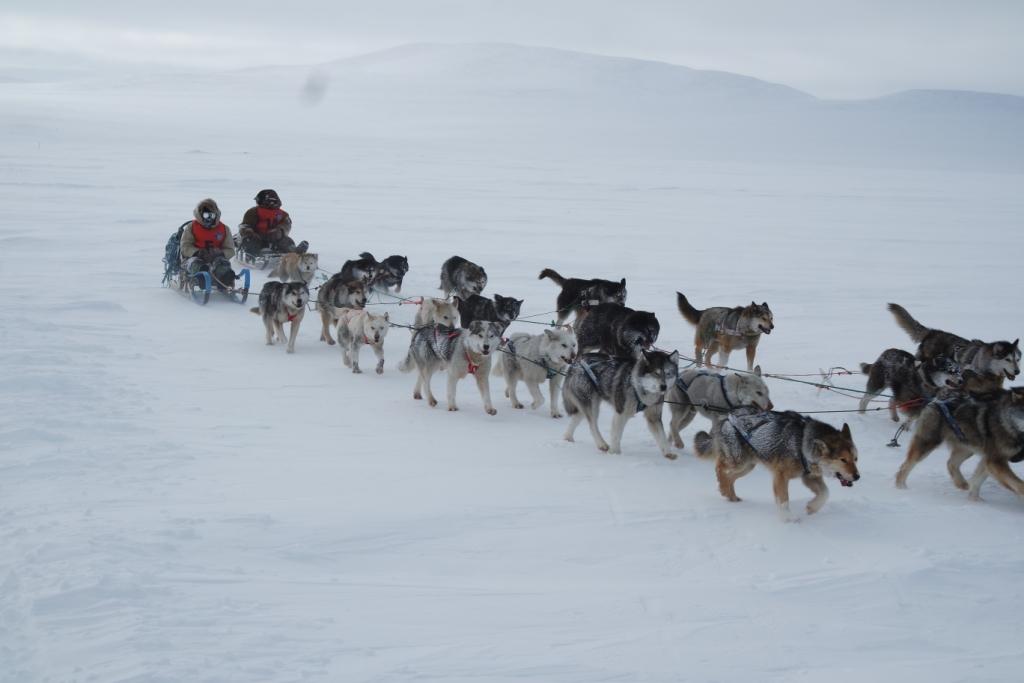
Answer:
(179, 502)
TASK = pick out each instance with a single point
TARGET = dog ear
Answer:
(550, 335)
(1016, 342)
(846, 431)
(386, 318)
(820, 448)
(674, 357)
(757, 370)
(622, 282)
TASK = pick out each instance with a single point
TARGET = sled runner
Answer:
(265, 258)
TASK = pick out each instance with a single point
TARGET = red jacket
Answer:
(268, 219)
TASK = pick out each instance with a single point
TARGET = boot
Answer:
(301, 247)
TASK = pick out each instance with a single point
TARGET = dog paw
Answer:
(331, 342)
(901, 485)
(535, 405)
(291, 350)
(962, 485)
(569, 438)
(603, 447)
(491, 411)
(380, 371)
(517, 405)
(432, 402)
(356, 370)
(556, 415)
(670, 455)
(417, 396)
(974, 497)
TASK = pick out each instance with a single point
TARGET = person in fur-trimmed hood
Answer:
(267, 226)
(206, 244)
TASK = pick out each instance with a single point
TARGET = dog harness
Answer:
(549, 372)
(747, 437)
(950, 420)
(443, 343)
(470, 365)
(704, 373)
(208, 238)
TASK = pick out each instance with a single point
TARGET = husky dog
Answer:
(357, 327)
(295, 267)
(435, 312)
(724, 330)
(1001, 358)
(461, 277)
(282, 302)
(389, 273)
(791, 445)
(631, 386)
(578, 294)
(363, 269)
(336, 293)
(713, 396)
(991, 425)
(503, 309)
(461, 352)
(617, 330)
(911, 382)
(535, 359)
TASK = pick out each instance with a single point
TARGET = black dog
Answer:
(363, 269)
(578, 294)
(504, 309)
(390, 272)
(617, 330)
(462, 277)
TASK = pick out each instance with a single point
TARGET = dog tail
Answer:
(553, 276)
(916, 330)
(255, 310)
(691, 314)
(702, 445)
(368, 256)
(865, 368)
(407, 363)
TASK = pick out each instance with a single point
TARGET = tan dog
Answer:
(724, 330)
(296, 267)
(336, 294)
(357, 327)
(436, 312)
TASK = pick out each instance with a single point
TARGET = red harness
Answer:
(470, 365)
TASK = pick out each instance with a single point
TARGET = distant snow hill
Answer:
(540, 98)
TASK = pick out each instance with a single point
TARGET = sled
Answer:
(266, 258)
(199, 286)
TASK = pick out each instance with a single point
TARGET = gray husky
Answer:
(337, 293)
(617, 330)
(536, 359)
(713, 396)
(578, 294)
(724, 330)
(462, 278)
(989, 362)
(910, 382)
(282, 302)
(631, 386)
(461, 352)
(789, 444)
(992, 425)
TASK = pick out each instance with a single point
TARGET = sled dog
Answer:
(631, 386)
(911, 383)
(535, 359)
(389, 273)
(461, 352)
(503, 309)
(724, 330)
(789, 444)
(337, 293)
(435, 312)
(578, 294)
(362, 269)
(462, 278)
(713, 396)
(295, 267)
(357, 327)
(997, 360)
(991, 425)
(282, 302)
(617, 330)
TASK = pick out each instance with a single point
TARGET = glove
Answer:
(276, 234)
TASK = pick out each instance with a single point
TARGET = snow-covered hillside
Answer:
(179, 502)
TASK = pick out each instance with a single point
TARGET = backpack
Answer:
(172, 252)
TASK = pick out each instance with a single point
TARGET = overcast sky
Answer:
(857, 48)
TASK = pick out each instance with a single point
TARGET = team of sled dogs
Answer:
(951, 389)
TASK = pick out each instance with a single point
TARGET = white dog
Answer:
(357, 326)
(436, 312)
(535, 359)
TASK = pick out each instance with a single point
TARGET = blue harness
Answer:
(950, 420)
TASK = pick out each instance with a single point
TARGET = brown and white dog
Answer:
(723, 330)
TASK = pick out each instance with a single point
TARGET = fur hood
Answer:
(206, 205)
